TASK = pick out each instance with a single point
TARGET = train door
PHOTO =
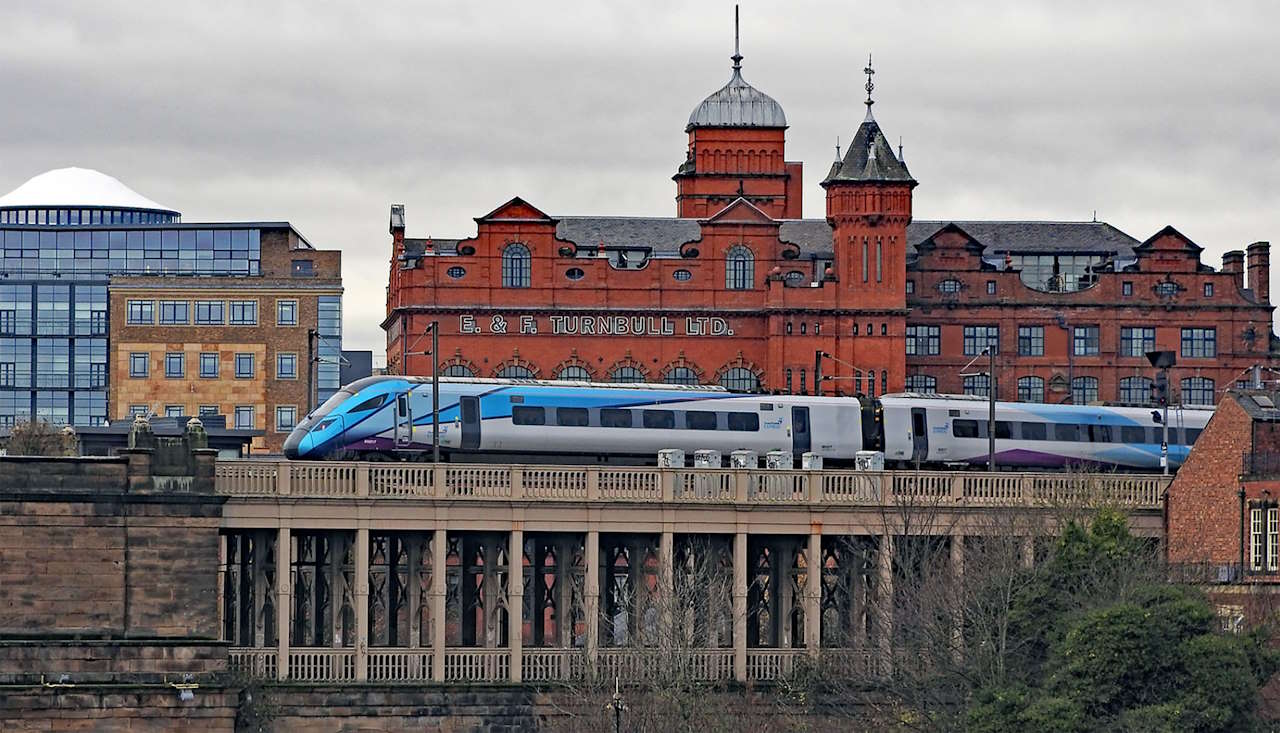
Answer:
(919, 436)
(801, 441)
(470, 408)
(404, 420)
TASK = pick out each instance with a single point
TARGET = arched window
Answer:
(739, 268)
(574, 373)
(681, 375)
(1030, 389)
(456, 370)
(517, 271)
(515, 371)
(922, 383)
(1135, 390)
(740, 379)
(626, 374)
(977, 384)
(1197, 391)
(1084, 390)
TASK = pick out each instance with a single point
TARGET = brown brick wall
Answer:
(1203, 506)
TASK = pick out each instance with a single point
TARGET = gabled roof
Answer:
(516, 208)
(1169, 231)
(740, 210)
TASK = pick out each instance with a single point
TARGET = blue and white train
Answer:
(531, 421)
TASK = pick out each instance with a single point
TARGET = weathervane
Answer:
(870, 86)
(737, 57)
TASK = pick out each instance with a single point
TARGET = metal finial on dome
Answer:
(869, 85)
(737, 57)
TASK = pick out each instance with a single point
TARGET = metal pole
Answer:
(435, 392)
(817, 373)
(311, 365)
(1164, 445)
(991, 409)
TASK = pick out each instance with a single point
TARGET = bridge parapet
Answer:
(533, 483)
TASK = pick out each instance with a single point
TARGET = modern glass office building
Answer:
(64, 234)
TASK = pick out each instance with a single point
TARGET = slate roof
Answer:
(869, 157)
(1255, 408)
(663, 236)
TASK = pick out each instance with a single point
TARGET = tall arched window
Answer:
(574, 373)
(517, 270)
(1030, 389)
(1135, 390)
(1197, 391)
(515, 371)
(1084, 390)
(681, 375)
(626, 374)
(739, 268)
(456, 370)
(922, 383)
(740, 379)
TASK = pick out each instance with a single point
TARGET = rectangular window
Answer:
(1199, 343)
(1084, 340)
(572, 417)
(244, 366)
(1208, 290)
(524, 415)
(697, 420)
(977, 338)
(991, 287)
(210, 313)
(208, 365)
(286, 418)
(141, 312)
(924, 340)
(139, 364)
(175, 365)
(244, 417)
(879, 260)
(138, 411)
(174, 312)
(744, 421)
(286, 366)
(1255, 540)
(174, 410)
(1066, 433)
(964, 428)
(1034, 431)
(1137, 341)
(208, 410)
(614, 418)
(659, 419)
(911, 287)
(1273, 539)
(976, 384)
(1126, 288)
(244, 313)
(866, 268)
(1030, 340)
(286, 312)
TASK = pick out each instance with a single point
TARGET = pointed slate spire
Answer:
(869, 156)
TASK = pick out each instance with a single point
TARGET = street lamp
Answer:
(617, 705)
(433, 328)
(990, 352)
(1162, 360)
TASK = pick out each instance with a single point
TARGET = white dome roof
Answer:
(72, 187)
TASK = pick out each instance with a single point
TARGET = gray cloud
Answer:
(323, 114)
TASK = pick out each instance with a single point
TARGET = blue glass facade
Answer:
(328, 347)
(54, 271)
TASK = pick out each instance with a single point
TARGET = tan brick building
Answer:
(239, 346)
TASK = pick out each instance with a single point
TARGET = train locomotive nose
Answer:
(294, 444)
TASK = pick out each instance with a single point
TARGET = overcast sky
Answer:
(324, 114)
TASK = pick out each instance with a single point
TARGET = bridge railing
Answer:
(682, 485)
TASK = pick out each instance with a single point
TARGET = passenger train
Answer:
(534, 421)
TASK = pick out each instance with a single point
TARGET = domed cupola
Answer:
(77, 196)
(737, 104)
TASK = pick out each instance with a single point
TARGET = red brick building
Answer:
(738, 289)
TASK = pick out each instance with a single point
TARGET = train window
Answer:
(523, 415)
(1068, 433)
(800, 421)
(1191, 435)
(324, 424)
(371, 403)
(573, 417)
(1004, 430)
(1131, 434)
(1100, 433)
(659, 419)
(700, 420)
(614, 418)
(1034, 431)
(744, 421)
(964, 428)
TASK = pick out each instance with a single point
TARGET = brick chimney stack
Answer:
(1260, 271)
(1233, 262)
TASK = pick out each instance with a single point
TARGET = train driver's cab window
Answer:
(522, 415)
(371, 403)
(744, 421)
(964, 428)
(659, 419)
(1066, 433)
(700, 420)
(573, 417)
(1034, 431)
(615, 418)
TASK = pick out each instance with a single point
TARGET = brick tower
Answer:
(868, 208)
(737, 141)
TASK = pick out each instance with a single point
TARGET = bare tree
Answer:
(39, 438)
